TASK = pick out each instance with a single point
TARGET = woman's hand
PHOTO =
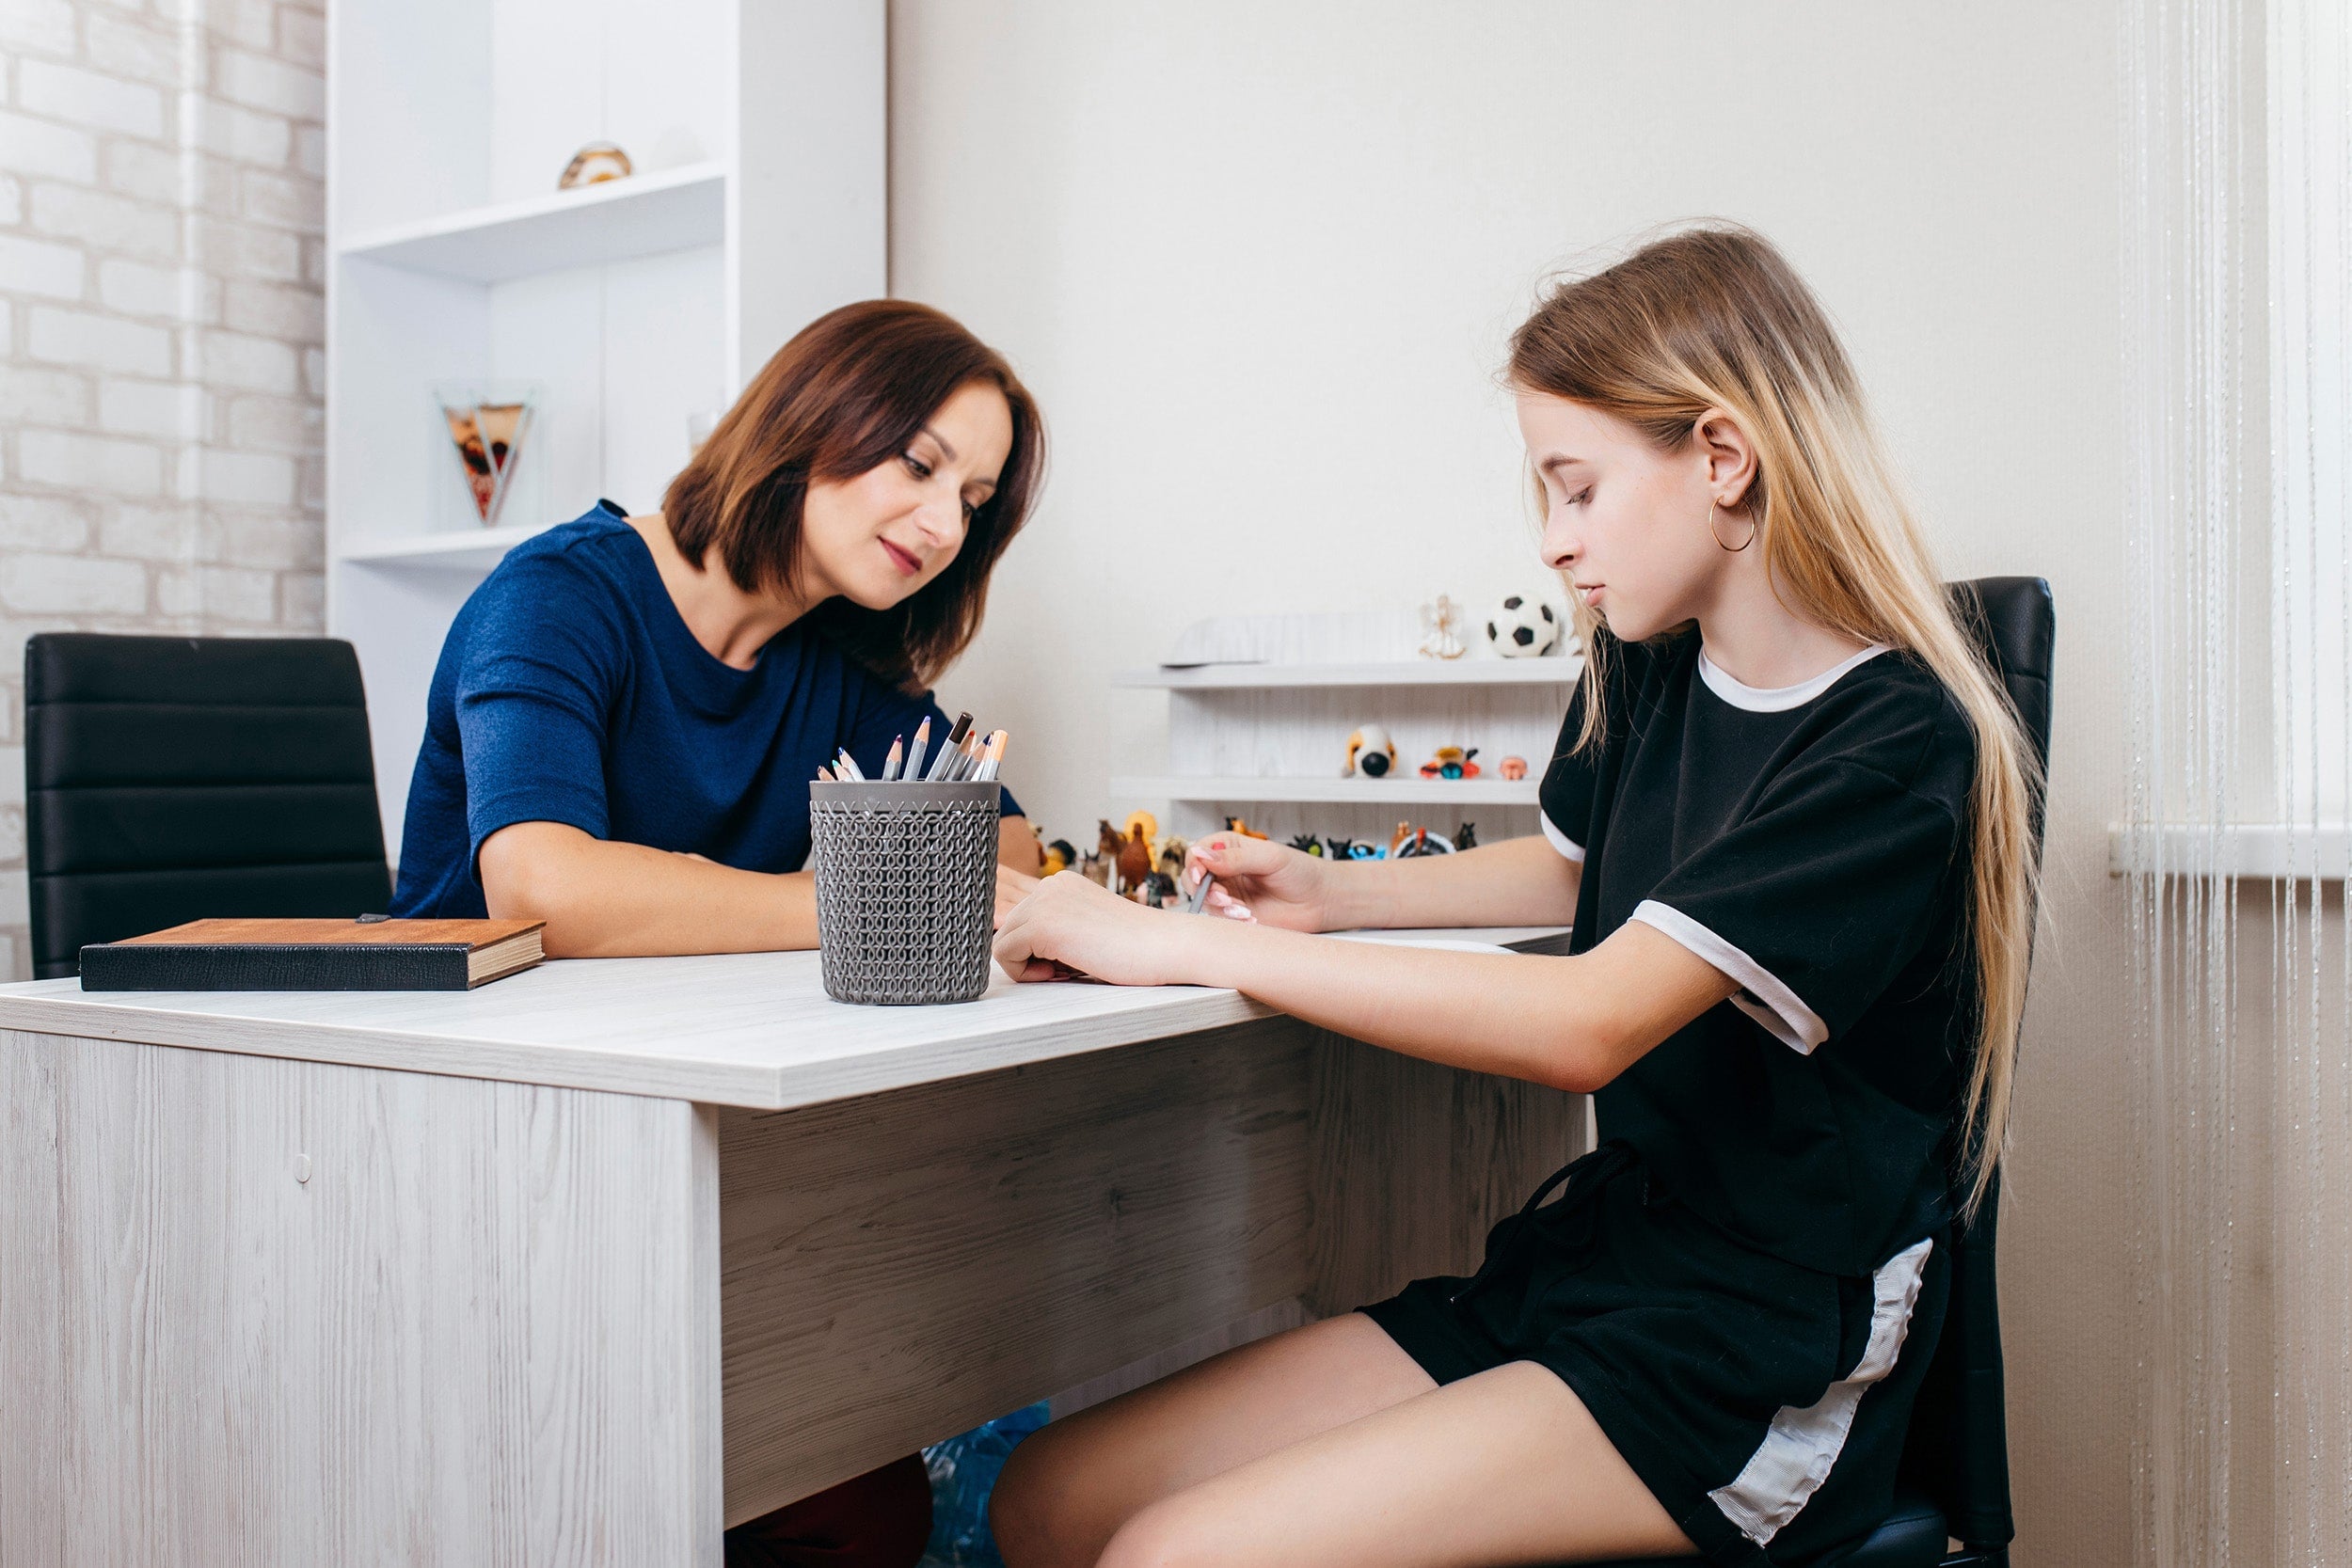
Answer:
(1011, 887)
(1271, 883)
(1070, 924)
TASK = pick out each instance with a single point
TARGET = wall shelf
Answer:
(1312, 791)
(451, 549)
(645, 214)
(1430, 672)
(2255, 851)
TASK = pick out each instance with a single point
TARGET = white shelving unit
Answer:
(1261, 734)
(758, 201)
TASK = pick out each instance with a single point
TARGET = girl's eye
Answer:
(971, 509)
(916, 466)
(1580, 498)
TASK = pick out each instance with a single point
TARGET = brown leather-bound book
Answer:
(315, 955)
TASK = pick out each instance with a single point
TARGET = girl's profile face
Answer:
(877, 538)
(1626, 523)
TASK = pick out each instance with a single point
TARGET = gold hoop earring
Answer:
(1728, 549)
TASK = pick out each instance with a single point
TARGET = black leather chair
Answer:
(1954, 1481)
(171, 778)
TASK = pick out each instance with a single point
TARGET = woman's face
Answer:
(878, 537)
(1627, 524)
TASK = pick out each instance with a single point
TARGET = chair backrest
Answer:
(172, 778)
(1958, 1448)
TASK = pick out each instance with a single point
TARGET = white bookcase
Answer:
(1260, 709)
(757, 130)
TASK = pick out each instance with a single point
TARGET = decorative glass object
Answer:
(488, 425)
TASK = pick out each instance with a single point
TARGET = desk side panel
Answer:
(899, 1268)
(483, 1330)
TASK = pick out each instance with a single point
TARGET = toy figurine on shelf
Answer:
(1172, 852)
(1438, 621)
(1370, 753)
(1159, 891)
(1338, 849)
(1307, 844)
(593, 165)
(1134, 859)
(1095, 870)
(1513, 768)
(1451, 762)
(1236, 825)
(1059, 856)
(1145, 823)
(1421, 842)
(1465, 836)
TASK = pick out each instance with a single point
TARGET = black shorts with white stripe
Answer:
(1764, 1404)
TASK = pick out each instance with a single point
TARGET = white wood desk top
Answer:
(750, 1029)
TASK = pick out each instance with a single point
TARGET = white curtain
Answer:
(2238, 222)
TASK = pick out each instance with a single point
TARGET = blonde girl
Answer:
(1789, 818)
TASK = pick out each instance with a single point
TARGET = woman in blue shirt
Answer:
(628, 712)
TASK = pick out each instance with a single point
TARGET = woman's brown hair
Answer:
(1715, 317)
(847, 394)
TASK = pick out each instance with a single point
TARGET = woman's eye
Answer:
(971, 509)
(1580, 498)
(916, 466)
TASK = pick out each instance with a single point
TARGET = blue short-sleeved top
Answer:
(570, 690)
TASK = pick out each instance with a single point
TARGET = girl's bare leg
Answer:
(1327, 1445)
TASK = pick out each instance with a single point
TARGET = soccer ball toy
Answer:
(1523, 627)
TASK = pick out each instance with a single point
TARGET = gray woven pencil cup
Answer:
(906, 888)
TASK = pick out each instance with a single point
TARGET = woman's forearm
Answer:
(1518, 882)
(607, 900)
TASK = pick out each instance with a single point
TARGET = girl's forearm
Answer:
(1568, 1022)
(1488, 1012)
(1518, 882)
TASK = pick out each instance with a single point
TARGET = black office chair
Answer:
(172, 778)
(1954, 1478)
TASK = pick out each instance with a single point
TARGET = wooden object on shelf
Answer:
(1260, 709)
(633, 303)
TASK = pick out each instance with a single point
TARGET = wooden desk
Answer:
(579, 1266)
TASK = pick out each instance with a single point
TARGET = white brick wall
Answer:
(160, 330)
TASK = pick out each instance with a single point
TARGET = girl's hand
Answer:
(1070, 924)
(1272, 883)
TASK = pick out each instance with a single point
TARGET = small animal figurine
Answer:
(1513, 768)
(1338, 849)
(593, 165)
(1134, 860)
(1059, 856)
(1107, 839)
(1396, 839)
(1145, 821)
(1172, 852)
(1307, 844)
(1234, 823)
(1438, 619)
(1368, 852)
(1451, 762)
(1370, 753)
(1523, 627)
(1159, 889)
(1095, 870)
(1465, 837)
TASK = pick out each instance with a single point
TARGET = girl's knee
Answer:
(1166, 1535)
(1028, 1507)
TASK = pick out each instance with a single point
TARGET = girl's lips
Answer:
(1590, 595)
(906, 562)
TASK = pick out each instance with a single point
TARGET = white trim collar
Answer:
(1778, 699)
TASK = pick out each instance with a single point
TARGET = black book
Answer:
(315, 955)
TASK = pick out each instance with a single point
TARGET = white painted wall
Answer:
(1259, 260)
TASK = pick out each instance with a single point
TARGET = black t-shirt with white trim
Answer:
(1807, 842)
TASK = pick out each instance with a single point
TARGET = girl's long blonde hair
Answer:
(1714, 317)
